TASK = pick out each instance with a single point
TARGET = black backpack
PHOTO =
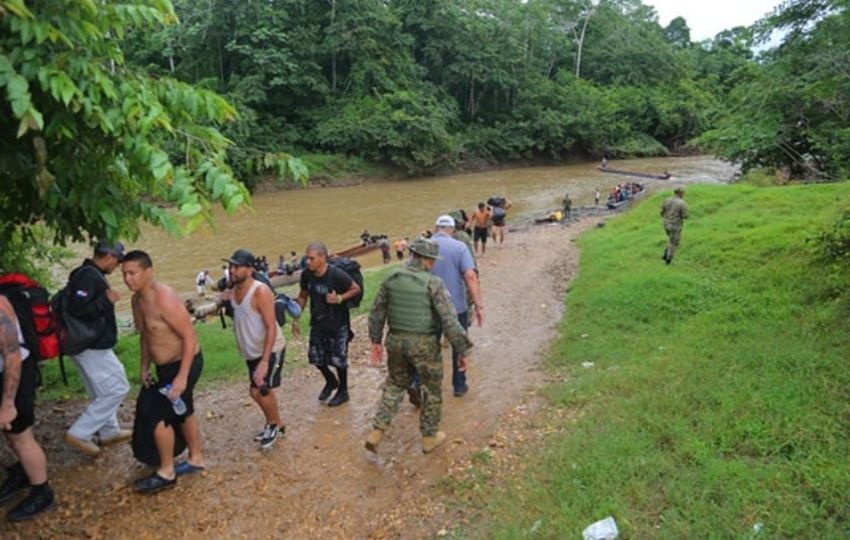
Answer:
(496, 201)
(352, 268)
(282, 302)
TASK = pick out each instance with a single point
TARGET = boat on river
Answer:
(356, 251)
(613, 205)
(664, 176)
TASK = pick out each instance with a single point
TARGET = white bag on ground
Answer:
(601, 530)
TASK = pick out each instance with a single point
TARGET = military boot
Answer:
(429, 443)
(374, 439)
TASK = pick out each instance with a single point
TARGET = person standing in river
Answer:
(259, 339)
(327, 287)
(480, 227)
(674, 211)
(415, 304)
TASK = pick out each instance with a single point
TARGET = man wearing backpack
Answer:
(328, 288)
(91, 299)
(259, 338)
(18, 379)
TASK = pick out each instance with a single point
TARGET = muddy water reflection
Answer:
(288, 221)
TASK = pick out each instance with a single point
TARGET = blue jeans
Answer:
(458, 377)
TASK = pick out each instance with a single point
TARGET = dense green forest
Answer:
(428, 83)
(114, 111)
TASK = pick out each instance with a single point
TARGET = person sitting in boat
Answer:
(365, 237)
(281, 265)
(293, 263)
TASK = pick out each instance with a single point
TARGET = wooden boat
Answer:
(284, 280)
(356, 251)
(664, 176)
(619, 204)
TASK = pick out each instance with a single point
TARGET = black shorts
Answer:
(272, 378)
(498, 221)
(166, 374)
(480, 233)
(25, 398)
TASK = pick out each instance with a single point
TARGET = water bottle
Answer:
(178, 404)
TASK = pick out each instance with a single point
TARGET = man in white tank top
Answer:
(259, 338)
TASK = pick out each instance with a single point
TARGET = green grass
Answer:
(221, 359)
(335, 167)
(719, 396)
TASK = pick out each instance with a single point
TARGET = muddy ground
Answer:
(318, 481)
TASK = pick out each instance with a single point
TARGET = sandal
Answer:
(184, 467)
(153, 483)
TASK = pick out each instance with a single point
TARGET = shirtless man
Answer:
(480, 223)
(167, 339)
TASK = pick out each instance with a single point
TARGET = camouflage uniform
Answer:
(410, 352)
(674, 211)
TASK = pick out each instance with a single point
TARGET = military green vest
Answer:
(409, 307)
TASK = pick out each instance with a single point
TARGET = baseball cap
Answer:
(445, 221)
(241, 257)
(106, 247)
(679, 189)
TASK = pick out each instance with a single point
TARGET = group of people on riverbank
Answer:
(436, 292)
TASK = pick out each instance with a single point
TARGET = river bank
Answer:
(319, 472)
(702, 399)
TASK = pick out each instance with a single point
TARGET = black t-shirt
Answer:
(329, 317)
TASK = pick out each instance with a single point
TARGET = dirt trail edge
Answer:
(318, 481)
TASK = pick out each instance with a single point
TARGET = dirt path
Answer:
(319, 481)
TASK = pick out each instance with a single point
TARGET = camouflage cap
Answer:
(425, 248)
(457, 214)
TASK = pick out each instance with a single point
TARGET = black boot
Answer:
(341, 395)
(331, 383)
(40, 499)
(16, 480)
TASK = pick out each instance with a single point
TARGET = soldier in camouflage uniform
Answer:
(415, 304)
(674, 211)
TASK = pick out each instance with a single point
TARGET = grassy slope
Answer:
(221, 359)
(719, 396)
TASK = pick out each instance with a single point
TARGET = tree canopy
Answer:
(90, 145)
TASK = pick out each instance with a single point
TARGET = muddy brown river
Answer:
(288, 220)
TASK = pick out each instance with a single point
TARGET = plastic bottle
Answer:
(178, 404)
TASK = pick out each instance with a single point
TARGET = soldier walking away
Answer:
(18, 379)
(166, 338)
(259, 339)
(674, 211)
(90, 298)
(327, 287)
(415, 304)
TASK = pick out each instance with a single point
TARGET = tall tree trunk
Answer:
(333, 53)
(580, 42)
